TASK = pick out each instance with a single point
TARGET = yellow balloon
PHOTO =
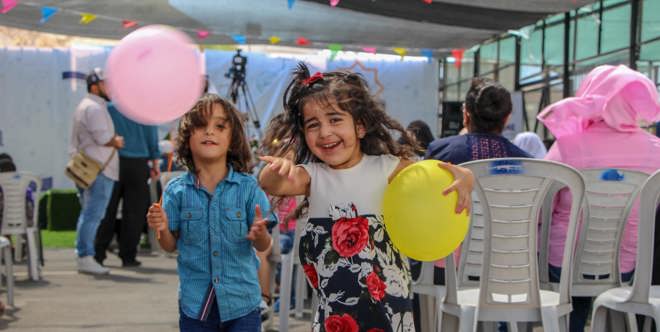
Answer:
(420, 220)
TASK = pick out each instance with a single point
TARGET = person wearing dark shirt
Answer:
(132, 188)
(486, 110)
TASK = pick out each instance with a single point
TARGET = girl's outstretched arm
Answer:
(282, 178)
(463, 182)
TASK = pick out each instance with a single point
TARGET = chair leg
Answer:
(286, 283)
(33, 259)
(599, 318)
(550, 319)
(632, 322)
(301, 292)
(9, 274)
(617, 320)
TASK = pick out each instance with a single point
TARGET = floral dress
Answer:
(362, 280)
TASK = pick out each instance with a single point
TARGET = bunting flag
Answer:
(334, 3)
(302, 41)
(127, 24)
(203, 34)
(239, 39)
(47, 13)
(334, 49)
(290, 4)
(458, 53)
(400, 51)
(86, 18)
(274, 39)
(428, 2)
(371, 50)
(8, 5)
(428, 54)
(519, 33)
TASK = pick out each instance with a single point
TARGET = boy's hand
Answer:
(258, 231)
(463, 184)
(282, 166)
(156, 218)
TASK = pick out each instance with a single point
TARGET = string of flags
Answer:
(47, 12)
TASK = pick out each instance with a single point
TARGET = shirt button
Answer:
(238, 214)
(216, 280)
(189, 215)
(215, 253)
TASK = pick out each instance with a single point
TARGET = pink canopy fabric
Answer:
(619, 96)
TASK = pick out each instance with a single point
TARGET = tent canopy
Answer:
(413, 24)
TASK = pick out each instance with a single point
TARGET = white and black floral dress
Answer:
(362, 280)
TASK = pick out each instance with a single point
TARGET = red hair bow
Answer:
(310, 80)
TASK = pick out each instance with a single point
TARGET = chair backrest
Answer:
(649, 200)
(511, 192)
(14, 187)
(609, 197)
(165, 177)
(469, 268)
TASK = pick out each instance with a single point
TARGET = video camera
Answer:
(237, 70)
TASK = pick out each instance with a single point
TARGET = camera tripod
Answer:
(239, 91)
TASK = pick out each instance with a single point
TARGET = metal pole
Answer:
(635, 10)
(517, 65)
(566, 79)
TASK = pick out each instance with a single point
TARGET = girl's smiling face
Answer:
(332, 135)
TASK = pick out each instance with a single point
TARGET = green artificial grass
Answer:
(58, 239)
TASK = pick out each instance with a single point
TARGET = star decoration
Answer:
(365, 69)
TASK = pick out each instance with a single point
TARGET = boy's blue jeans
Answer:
(94, 200)
(248, 323)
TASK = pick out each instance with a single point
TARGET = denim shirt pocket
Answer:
(191, 225)
(237, 229)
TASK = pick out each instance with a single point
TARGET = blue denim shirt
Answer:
(214, 253)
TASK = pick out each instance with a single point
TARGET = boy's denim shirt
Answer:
(215, 258)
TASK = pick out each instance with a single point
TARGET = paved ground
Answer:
(141, 299)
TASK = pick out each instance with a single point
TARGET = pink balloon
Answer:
(154, 74)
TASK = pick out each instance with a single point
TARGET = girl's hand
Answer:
(282, 166)
(463, 184)
(156, 218)
(258, 231)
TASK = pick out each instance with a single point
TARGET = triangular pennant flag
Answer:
(8, 5)
(302, 41)
(400, 51)
(239, 39)
(47, 13)
(428, 2)
(371, 50)
(519, 33)
(334, 49)
(274, 39)
(334, 3)
(128, 24)
(428, 54)
(457, 53)
(290, 4)
(202, 34)
(86, 18)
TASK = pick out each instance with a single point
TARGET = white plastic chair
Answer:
(641, 298)
(607, 207)
(14, 221)
(511, 192)
(5, 250)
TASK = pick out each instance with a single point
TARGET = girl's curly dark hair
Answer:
(351, 94)
(238, 155)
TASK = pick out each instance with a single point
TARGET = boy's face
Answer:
(332, 135)
(211, 143)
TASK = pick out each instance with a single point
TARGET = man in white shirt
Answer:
(94, 134)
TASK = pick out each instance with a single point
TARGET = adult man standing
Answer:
(94, 134)
(132, 189)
